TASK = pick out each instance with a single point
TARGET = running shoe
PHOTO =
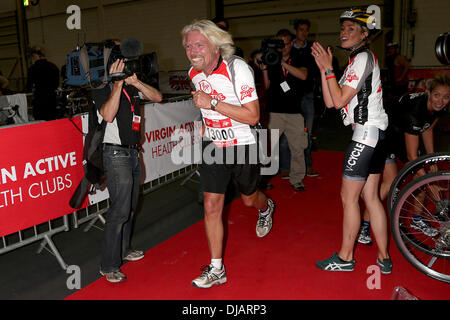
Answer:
(134, 255)
(364, 235)
(285, 174)
(335, 263)
(312, 173)
(264, 223)
(419, 223)
(385, 266)
(114, 277)
(210, 276)
(299, 186)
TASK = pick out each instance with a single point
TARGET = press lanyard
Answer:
(285, 71)
(129, 99)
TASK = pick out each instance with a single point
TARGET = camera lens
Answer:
(130, 67)
(442, 49)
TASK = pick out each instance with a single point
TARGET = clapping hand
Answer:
(323, 58)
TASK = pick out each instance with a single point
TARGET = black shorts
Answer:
(361, 160)
(395, 145)
(216, 176)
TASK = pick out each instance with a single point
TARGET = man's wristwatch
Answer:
(329, 71)
(214, 103)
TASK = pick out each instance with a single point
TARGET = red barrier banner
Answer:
(419, 77)
(40, 168)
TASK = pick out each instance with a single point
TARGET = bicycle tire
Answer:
(415, 245)
(442, 159)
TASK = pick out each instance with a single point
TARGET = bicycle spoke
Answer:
(422, 206)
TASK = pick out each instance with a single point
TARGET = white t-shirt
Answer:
(222, 130)
(366, 107)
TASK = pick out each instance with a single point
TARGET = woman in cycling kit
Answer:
(412, 116)
(358, 95)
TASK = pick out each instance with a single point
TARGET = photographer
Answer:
(119, 105)
(284, 104)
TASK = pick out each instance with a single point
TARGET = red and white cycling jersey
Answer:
(222, 130)
(366, 107)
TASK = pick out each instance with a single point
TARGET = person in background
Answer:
(412, 117)
(43, 80)
(4, 83)
(398, 68)
(359, 97)
(302, 48)
(223, 24)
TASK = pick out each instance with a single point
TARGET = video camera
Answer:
(88, 66)
(145, 66)
(442, 48)
(271, 56)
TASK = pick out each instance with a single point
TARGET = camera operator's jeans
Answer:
(307, 109)
(123, 176)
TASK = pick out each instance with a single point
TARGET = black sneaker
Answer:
(335, 263)
(385, 266)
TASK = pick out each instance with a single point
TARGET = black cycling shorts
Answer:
(395, 145)
(216, 176)
(361, 160)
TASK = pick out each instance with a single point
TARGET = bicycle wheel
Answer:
(420, 224)
(441, 160)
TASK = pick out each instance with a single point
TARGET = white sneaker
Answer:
(210, 276)
(134, 255)
(419, 223)
(264, 223)
(364, 236)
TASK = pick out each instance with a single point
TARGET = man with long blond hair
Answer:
(226, 95)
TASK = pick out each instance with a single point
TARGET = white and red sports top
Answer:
(223, 130)
(366, 107)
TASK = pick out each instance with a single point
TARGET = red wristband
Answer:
(330, 77)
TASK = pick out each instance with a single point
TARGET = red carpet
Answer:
(281, 266)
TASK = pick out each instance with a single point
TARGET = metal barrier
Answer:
(43, 233)
(95, 212)
(91, 214)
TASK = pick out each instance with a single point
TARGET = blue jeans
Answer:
(123, 176)
(307, 109)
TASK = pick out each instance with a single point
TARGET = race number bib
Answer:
(221, 132)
